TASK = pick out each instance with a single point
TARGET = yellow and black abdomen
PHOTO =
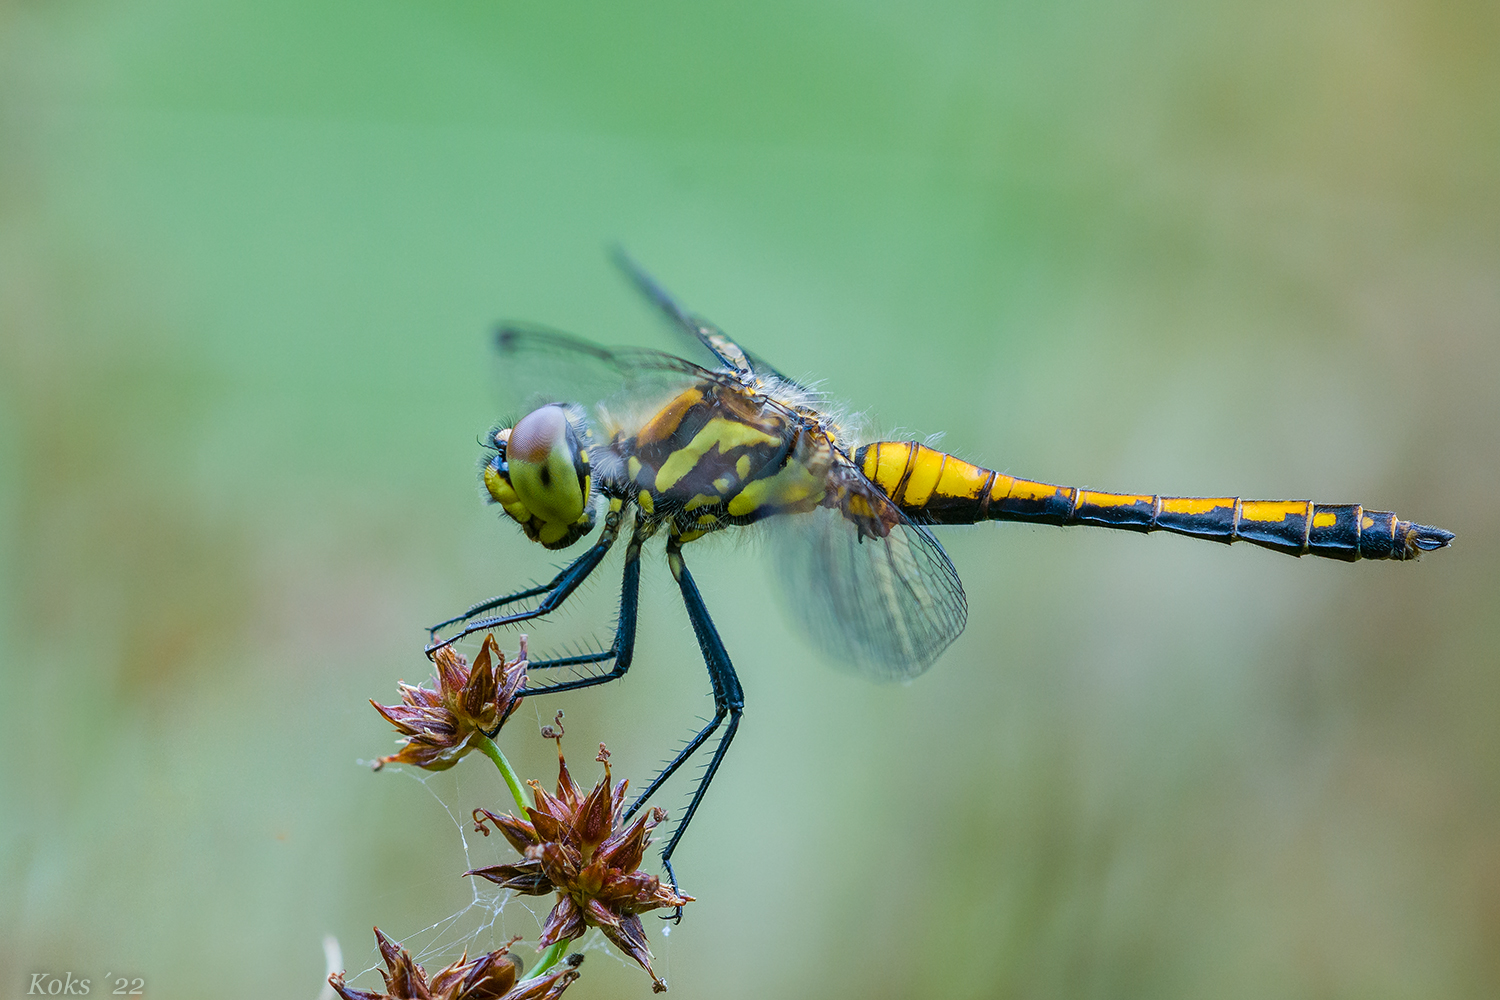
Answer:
(935, 488)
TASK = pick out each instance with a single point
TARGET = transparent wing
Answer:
(717, 343)
(888, 604)
(539, 365)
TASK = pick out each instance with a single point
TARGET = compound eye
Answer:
(543, 467)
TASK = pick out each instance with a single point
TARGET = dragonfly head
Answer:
(540, 476)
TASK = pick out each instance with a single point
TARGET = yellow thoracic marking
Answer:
(961, 479)
(664, 424)
(1194, 505)
(793, 488)
(1326, 520)
(742, 467)
(551, 531)
(707, 519)
(727, 434)
(1112, 499)
(860, 507)
(925, 467)
(1272, 511)
(701, 500)
(633, 466)
(724, 484)
(643, 499)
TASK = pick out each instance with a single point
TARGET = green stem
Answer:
(554, 952)
(491, 751)
(550, 957)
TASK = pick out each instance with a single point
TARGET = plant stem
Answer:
(554, 952)
(549, 958)
(491, 751)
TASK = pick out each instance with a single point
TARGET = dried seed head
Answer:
(491, 976)
(578, 845)
(441, 723)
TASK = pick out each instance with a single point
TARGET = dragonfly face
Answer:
(540, 475)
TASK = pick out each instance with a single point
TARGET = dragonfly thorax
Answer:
(714, 456)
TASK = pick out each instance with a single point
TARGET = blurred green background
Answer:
(249, 256)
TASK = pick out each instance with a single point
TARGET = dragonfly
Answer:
(650, 444)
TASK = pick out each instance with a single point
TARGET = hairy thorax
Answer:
(713, 457)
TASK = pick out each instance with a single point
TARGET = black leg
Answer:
(500, 602)
(622, 650)
(703, 783)
(559, 590)
(729, 701)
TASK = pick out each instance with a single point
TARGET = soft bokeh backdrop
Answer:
(249, 253)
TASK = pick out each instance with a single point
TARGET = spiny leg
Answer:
(622, 649)
(557, 591)
(729, 700)
(703, 783)
(500, 602)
